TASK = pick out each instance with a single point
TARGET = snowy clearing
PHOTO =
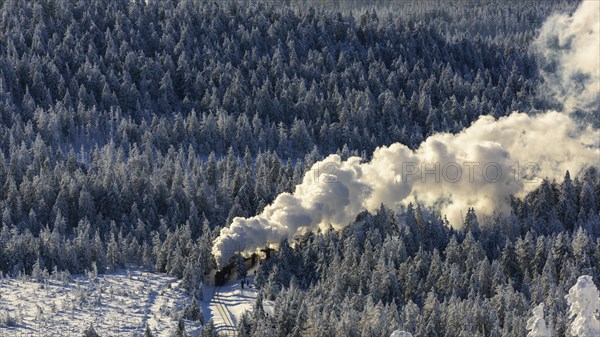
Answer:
(116, 304)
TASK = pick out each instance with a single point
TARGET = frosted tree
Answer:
(148, 332)
(241, 268)
(90, 332)
(584, 307)
(536, 325)
(37, 272)
(180, 330)
(399, 333)
(567, 203)
(112, 252)
(193, 312)
(208, 330)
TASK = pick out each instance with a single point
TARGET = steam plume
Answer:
(480, 167)
(568, 50)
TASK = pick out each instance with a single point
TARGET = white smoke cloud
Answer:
(492, 156)
(568, 46)
(480, 167)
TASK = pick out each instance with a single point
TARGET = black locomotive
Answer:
(224, 273)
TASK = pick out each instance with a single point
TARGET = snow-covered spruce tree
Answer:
(584, 308)
(244, 327)
(198, 294)
(90, 332)
(208, 330)
(37, 272)
(180, 330)
(241, 268)
(567, 203)
(148, 332)
(536, 325)
(192, 275)
(193, 312)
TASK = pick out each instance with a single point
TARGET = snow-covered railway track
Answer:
(228, 327)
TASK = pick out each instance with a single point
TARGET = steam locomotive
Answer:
(224, 273)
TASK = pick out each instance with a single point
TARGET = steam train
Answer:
(222, 275)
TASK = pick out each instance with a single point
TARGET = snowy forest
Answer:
(132, 132)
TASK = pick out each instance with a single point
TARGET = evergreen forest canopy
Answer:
(132, 131)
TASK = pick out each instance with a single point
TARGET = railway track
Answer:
(228, 328)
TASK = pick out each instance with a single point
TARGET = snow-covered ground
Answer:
(116, 304)
(228, 302)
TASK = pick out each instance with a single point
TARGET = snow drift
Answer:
(480, 167)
